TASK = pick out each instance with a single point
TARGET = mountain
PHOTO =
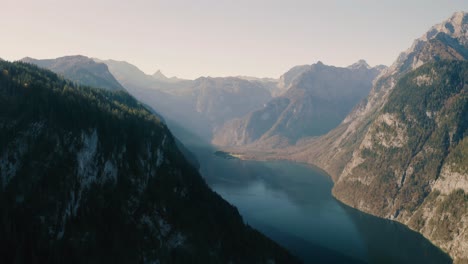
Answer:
(317, 99)
(80, 69)
(86, 71)
(88, 175)
(286, 79)
(201, 105)
(402, 152)
(221, 99)
(252, 78)
(363, 64)
(131, 76)
(270, 84)
(158, 75)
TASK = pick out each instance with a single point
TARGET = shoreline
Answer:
(254, 157)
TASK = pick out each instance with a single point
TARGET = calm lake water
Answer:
(292, 204)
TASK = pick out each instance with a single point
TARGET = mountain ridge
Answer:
(80, 69)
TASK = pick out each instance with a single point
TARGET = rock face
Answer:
(317, 99)
(412, 162)
(402, 152)
(80, 69)
(88, 175)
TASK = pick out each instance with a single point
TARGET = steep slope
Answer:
(91, 176)
(401, 153)
(130, 76)
(317, 100)
(412, 163)
(80, 69)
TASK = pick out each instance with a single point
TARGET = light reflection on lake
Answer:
(292, 204)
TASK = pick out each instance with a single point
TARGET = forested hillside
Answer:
(92, 176)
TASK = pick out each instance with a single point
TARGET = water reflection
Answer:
(292, 204)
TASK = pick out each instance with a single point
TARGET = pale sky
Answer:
(192, 38)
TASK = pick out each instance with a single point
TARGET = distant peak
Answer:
(380, 67)
(78, 56)
(159, 75)
(457, 23)
(74, 58)
(359, 64)
(29, 60)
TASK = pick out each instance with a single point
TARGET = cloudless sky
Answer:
(193, 38)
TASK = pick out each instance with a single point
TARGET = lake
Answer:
(292, 204)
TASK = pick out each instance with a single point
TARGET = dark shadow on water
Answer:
(306, 251)
(396, 242)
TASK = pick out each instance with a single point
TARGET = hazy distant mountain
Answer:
(270, 84)
(130, 75)
(200, 105)
(158, 75)
(80, 69)
(251, 78)
(91, 176)
(286, 79)
(317, 99)
(403, 152)
(221, 99)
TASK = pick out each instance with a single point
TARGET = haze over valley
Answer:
(330, 160)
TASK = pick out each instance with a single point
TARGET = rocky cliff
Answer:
(402, 152)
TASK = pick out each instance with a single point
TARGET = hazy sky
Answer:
(195, 38)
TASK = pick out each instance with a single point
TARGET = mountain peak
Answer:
(456, 27)
(159, 75)
(460, 17)
(452, 35)
(25, 59)
(318, 65)
(359, 64)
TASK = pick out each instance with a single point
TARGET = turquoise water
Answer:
(292, 204)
